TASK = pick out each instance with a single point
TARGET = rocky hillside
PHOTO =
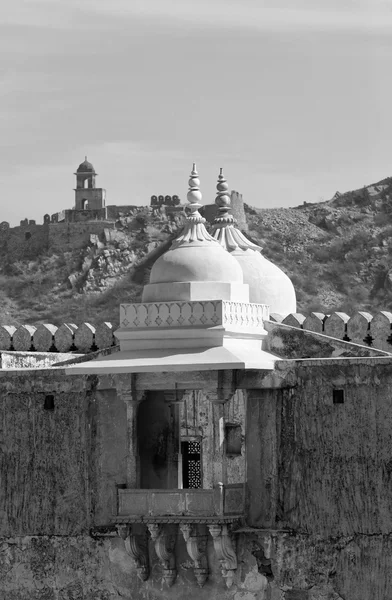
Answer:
(337, 253)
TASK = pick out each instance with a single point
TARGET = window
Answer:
(49, 402)
(191, 464)
(338, 396)
(233, 439)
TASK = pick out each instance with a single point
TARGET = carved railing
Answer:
(163, 513)
(141, 504)
(192, 314)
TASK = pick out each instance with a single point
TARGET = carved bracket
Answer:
(136, 546)
(196, 545)
(164, 542)
(224, 551)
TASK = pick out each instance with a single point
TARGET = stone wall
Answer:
(319, 468)
(62, 454)
(361, 327)
(318, 476)
(29, 241)
(65, 237)
(68, 337)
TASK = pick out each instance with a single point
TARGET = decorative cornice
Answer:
(194, 230)
(203, 313)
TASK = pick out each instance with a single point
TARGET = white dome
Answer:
(267, 283)
(198, 262)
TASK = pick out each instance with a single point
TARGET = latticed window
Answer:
(191, 464)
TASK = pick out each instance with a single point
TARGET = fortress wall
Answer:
(209, 211)
(77, 216)
(319, 465)
(24, 242)
(318, 476)
(374, 330)
(63, 452)
(114, 212)
(65, 237)
(67, 337)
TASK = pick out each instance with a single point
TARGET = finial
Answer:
(194, 197)
(223, 201)
(194, 230)
(85, 158)
(224, 229)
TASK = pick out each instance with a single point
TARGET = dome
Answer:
(196, 262)
(196, 267)
(85, 167)
(267, 283)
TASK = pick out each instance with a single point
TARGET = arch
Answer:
(84, 204)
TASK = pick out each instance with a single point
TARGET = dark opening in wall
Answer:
(49, 402)
(27, 235)
(338, 396)
(233, 439)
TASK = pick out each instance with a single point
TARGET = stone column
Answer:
(219, 399)
(218, 440)
(132, 398)
(174, 399)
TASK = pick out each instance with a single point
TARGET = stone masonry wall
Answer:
(321, 471)
(318, 475)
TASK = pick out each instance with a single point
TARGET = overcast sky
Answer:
(291, 97)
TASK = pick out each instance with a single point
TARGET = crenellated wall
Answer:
(373, 330)
(68, 337)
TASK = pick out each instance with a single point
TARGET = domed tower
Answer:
(267, 283)
(87, 196)
(196, 267)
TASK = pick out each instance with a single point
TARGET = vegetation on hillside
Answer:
(337, 253)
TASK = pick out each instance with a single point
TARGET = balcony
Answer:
(223, 504)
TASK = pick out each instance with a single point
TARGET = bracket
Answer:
(164, 542)
(136, 546)
(224, 551)
(196, 544)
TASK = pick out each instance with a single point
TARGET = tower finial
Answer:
(194, 230)
(85, 158)
(223, 201)
(194, 197)
(224, 226)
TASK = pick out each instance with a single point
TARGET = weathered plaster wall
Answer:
(322, 471)
(200, 418)
(280, 566)
(318, 475)
(58, 468)
(321, 467)
(82, 568)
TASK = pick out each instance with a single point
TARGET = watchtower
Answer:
(87, 196)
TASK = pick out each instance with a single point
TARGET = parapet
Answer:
(361, 327)
(68, 337)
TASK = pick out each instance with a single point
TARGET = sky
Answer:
(291, 97)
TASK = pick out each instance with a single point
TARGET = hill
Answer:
(337, 253)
